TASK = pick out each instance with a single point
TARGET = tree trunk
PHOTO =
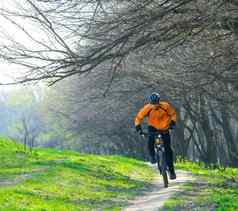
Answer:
(208, 132)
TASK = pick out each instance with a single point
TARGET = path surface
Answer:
(14, 181)
(155, 198)
(19, 178)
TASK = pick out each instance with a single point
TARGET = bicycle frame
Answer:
(160, 157)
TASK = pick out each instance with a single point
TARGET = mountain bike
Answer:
(160, 157)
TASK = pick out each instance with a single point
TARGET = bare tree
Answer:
(78, 36)
(186, 48)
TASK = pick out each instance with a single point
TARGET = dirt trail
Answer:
(20, 178)
(14, 181)
(154, 199)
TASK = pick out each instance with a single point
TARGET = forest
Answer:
(85, 66)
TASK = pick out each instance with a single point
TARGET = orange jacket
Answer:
(159, 116)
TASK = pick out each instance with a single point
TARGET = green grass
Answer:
(215, 188)
(62, 180)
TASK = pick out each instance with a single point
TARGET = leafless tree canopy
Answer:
(74, 37)
(185, 48)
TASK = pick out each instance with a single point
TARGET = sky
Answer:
(36, 30)
(9, 71)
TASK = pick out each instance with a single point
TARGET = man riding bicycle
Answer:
(161, 117)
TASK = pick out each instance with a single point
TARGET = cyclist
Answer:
(161, 117)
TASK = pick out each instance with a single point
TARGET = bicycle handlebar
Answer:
(156, 133)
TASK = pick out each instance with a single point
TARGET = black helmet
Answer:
(154, 98)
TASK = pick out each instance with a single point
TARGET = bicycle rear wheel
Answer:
(165, 179)
(161, 163)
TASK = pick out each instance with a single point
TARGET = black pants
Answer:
(168, 151)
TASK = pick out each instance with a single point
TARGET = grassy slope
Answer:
(214, 189)
(57, 180)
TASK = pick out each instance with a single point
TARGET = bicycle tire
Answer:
(165, 179)
(162, 168)
(164, 171)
